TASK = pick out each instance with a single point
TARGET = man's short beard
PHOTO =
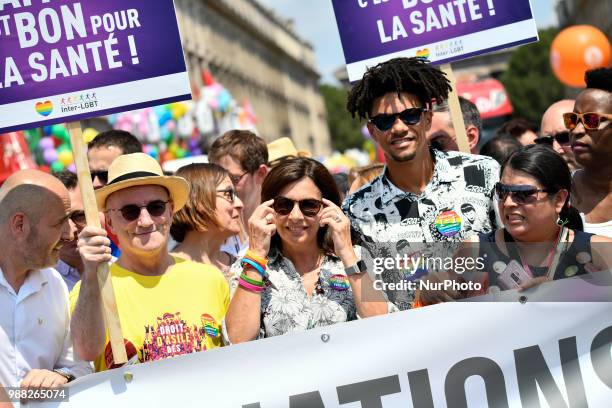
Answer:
(403, 159)
(32, 256)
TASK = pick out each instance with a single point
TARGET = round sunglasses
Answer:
(131, 212)
(521, 193)
(410, 117)
(590, 120)
(309, 207)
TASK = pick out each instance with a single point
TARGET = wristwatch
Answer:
(65, 373)
(356, 269)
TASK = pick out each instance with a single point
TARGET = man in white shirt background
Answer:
(35, 343)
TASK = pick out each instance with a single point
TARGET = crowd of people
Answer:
(257, 244)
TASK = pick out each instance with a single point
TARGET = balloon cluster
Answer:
(167, 132)
(52, 148)
(173, 131)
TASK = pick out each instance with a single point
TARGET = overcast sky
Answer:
(314, 21)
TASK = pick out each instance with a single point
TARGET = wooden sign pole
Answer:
(455, 111)
(109, 305)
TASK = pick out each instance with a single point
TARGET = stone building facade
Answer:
(592, 12)
(257, 55)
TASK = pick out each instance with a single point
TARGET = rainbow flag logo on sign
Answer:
(44, 108)
(423, 54)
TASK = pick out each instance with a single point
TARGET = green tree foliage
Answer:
(529, 80)
(344, 130)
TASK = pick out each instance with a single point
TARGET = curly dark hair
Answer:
(411, 75)
(599, 78)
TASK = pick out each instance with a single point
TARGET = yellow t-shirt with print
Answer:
(179, 312)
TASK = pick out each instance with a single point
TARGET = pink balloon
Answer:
(50, 155)
(46, 143)
(125, 126)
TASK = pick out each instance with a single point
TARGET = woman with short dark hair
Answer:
(301, 270)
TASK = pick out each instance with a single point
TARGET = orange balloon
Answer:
(576, 50)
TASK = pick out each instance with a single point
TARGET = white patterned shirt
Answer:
(285, 305)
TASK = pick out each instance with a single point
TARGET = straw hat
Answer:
(284, 147)
(140, 169)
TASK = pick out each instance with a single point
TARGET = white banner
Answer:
(503, 354)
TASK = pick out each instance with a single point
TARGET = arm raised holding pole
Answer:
(96, 308)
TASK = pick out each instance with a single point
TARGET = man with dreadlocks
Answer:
(419, 196)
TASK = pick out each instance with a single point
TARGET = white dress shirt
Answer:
(35, 328)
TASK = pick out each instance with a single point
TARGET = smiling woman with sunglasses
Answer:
(211, 215)
(301, 270)
(542, 238)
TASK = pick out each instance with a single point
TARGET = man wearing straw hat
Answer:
(167, 306)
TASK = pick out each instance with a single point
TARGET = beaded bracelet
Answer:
(251, 288)
(251, 281)
(252, 255)
(260, 269)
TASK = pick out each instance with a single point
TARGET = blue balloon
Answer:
(165, 134)
(112, 119)
(224, 99)
(160, 110)
(48, 130)
(165, 118)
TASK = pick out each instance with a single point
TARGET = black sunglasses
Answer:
(410, 116)
(521, 193)
(309, 207)
(229, 194)
(563, 138)
(102, 175)
(131, 212)
(78, 217)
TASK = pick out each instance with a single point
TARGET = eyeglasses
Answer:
(563, 138)
(229, 194)
(590, 120)
(309, 207)
(102, 175)
(78, 217)
(410, 116)
(521, 193)
(236, 179)
(131, 212)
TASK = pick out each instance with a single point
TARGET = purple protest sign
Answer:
(66, 60)
(442, 31)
